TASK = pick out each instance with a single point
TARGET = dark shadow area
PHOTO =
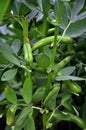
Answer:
(66, 126)
(2, 123)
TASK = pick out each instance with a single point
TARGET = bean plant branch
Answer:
(53, 57)
(58, 17)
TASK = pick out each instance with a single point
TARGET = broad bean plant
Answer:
(42, 64)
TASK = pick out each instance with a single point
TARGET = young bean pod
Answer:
(52, 93)
(49, 40)
(27, 53)
(79, 122)
(60, 66)
(73, 86)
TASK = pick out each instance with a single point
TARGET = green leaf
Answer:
(2, 96)
(9, 117)
(45, 120)
(66, 102)
(81, 16)
(64, 19)
(43, 60)
(68, 10)
(68, 106)
(65, 97)
(23, 115)
(29, 4)
(10, 56)
(21, 126)
(74, 78)
(77, 6)
(67, 70)
(16, 45)
(32, 14)
(77, 28)
(30, 125)
(45, 7)
(21, 9)
(39, 94)
(40, 3)
(11, 114)
(11, 95)
(8, 75)
(27, 90)
(10, 6)
(48, 125)
(51, 104)
(3, 60)
(3, 7)
(4, 45)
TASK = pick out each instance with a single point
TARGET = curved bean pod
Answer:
(49, 40)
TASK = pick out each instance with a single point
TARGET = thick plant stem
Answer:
(69, 47)
(44, 30)
(54, 47)
(52, 61)
(48, 83)
(45, 26)
(58, 18)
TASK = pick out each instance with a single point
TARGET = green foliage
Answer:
(43, 63)
(76, 28)
(11, 114)
(8, 75)
(10, 56)
(3, 10)
(27, 90)
(43, 60)
(23, 115)
(30, 125)
(10, 95)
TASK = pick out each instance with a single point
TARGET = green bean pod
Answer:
(60, 65)
(79, 122)
(52, 93)
(73, 86)
(49, 40)
(27, 53)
